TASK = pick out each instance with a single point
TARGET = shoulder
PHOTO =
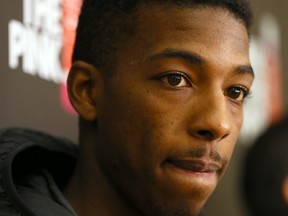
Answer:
(22, 150)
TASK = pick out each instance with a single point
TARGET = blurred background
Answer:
(36, 42)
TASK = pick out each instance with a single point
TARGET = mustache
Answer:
(199, 153)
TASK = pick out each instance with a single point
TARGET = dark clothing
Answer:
(34, 168)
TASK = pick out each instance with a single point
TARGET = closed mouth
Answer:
(195, 165)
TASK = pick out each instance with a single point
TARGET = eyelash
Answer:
(168, 75)
(244, 90)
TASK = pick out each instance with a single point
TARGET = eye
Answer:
(175, 79)
(237, 93)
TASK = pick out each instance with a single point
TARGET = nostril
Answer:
(209, 135)
(205, 133)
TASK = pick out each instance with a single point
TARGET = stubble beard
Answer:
(158, 210)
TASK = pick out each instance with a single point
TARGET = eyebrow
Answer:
(195, 59)
(247, 69)
(172, 53)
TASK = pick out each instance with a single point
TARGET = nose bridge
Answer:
(213, 118)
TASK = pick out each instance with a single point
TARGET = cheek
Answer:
(226, 148)
(132, 131)
(128, 125)
(228, 145)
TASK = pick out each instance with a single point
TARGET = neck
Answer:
(90, 194)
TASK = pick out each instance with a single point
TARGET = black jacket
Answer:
(34, 168)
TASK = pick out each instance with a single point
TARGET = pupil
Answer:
(234, 93)
(174, 80)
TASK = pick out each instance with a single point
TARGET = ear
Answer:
(285, 190)
(85, 86)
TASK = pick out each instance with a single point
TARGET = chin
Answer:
(182, 210)
(176, 207)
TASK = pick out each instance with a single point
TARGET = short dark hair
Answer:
(105, 25)
(264, 170)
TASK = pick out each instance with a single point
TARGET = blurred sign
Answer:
(42, 43)
(37, 40)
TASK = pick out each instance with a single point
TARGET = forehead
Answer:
(186, 17)
(203, 29)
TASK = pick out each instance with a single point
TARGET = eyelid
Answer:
(245, 90)
(167, 73)
(247, 95)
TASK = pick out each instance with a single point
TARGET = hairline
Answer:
(134, 13)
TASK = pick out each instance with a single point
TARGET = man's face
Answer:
(171, 112)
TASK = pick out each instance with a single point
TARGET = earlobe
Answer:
(285, 190)
(85, 85)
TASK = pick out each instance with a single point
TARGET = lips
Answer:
(198, 166)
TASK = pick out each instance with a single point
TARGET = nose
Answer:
(211, 120)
